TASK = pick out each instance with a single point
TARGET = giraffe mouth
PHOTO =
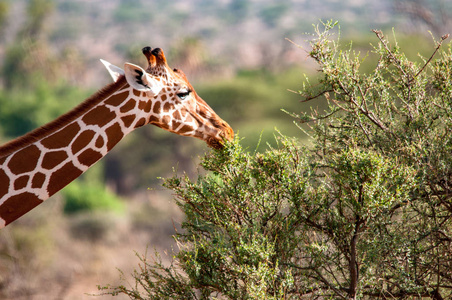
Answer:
(218, 142)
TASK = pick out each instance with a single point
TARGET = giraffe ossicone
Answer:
(40, 163)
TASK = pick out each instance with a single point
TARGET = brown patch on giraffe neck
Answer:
(118, 99)
(61, 138)
(4, 183)
(128, 106)
(55, 125)
(24, 160)
(17, 206)
(99, 142)
(38, 180)
(114, 134)
(63, 177)
(82, 140)
(53, 158)
(128, 120)
(21, 182)
(141, 122)
(89, 157)
(156, 108)
(99, 116)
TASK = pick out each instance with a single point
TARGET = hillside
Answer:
(232, 34)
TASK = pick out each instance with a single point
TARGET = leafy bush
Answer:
(89, 197)
(364, 212)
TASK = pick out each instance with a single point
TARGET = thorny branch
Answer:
(443, 38)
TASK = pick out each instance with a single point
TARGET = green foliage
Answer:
(236, 11)
(38, 12)
(252, 102)
(239, 9)
(272, 13)
(4, 10)
(89, 197)
(131, 11)
(251, 221)
(24, 110)
(363, 213)
(30, 62)
(401, 112)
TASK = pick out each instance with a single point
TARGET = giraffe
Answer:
(40, 163)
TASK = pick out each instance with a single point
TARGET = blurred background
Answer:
(237, 55)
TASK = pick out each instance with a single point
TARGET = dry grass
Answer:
(46, 255)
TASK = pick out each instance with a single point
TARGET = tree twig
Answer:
(443, 38)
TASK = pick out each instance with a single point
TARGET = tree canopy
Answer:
(362, 212)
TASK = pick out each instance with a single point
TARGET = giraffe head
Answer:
(176, 106)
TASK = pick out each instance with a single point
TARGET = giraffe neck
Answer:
(39, 164)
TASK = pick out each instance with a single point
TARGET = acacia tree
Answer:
(364, 212)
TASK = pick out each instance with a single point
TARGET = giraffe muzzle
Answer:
(227, 134)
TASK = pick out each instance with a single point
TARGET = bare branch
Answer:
(443, 38)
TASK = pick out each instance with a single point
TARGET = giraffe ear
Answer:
(140, 80)
(114, 71)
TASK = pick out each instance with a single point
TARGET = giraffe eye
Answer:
(183, 94)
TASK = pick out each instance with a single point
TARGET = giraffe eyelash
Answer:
(183, 95)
